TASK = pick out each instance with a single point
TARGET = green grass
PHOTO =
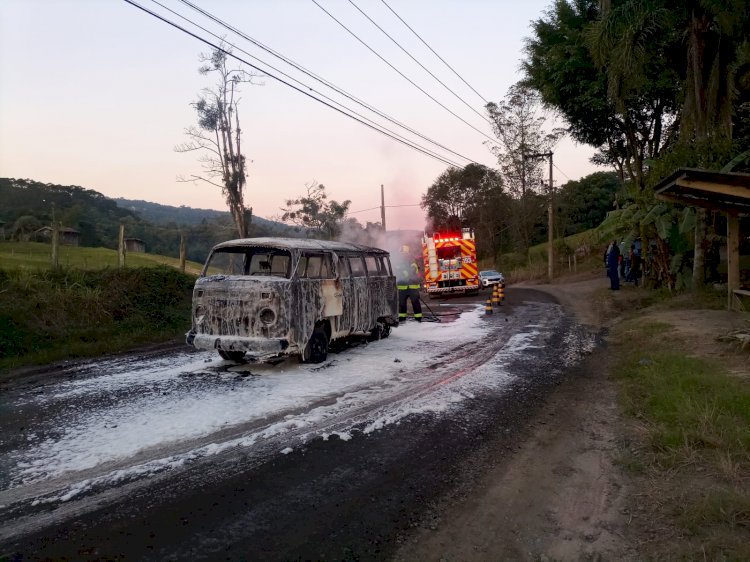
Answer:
(694, 442)
(37, 256)
(47, 315)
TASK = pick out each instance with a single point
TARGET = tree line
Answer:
(29, 205)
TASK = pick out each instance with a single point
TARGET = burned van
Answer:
(284, 296)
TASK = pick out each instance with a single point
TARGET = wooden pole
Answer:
(182, 252)
(551, 225)
(55, 245)
(121, 247)
(382, 206)
(733, 258)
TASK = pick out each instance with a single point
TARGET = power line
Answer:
(299, 82)
(265, 72)
(563, 173)
(386, 206)
(433, 51)
(373, 51)
(419, 63)
(318, 78)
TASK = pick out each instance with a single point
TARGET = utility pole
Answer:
(382, 206)
(550, 215)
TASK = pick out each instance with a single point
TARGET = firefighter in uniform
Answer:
(408, 281)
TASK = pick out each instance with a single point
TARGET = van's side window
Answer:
(343, 267)
(357, 266)
(372, 266)
(326, 268)
(387, 265)
(315, 266)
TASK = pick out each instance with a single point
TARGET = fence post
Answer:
(182, 252)
(55, 245)
(121, 247)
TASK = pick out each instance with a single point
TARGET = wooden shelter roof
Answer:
(722, 191)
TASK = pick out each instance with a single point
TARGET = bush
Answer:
(70, 312)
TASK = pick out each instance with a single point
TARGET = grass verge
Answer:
(691, 446)
(50, 315)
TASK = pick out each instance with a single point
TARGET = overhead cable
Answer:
(433, 51)
(427, 70)
(318, 78)
(373, 51)
(298, 81)
(270, 75)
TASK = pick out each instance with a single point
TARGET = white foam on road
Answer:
(87, 436)
(204, 396)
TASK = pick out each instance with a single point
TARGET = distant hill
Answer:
(28, 205)
(182, 215)
(164, 214)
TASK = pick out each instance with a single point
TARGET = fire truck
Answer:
(450, 263)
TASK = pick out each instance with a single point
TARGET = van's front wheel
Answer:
(316, 350)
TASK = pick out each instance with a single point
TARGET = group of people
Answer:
(623, 266)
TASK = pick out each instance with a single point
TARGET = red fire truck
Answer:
(450, 263)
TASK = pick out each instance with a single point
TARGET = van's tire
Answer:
(316, 350)
(376, 333)
(235, 356)
(386, 331)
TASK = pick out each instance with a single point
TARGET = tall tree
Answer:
(218, 135)
(584, 203)
(519, 125)
(621, 101)
(313, 211)
(469, 197)
(700, 38)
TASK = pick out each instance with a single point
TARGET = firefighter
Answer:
(408, 279)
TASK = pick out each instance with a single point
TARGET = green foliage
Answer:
(95, 216)
(689, 402)
(52, 314)
(98, 218)
(695, 421)
(610, 75)
(584, 204)
(314, 212)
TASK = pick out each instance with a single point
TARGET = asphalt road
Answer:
(354, 497)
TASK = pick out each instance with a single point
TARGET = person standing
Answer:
(613, 259)
(408, 281)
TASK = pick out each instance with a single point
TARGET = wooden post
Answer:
(733, 258)
(382, 206)
(121, 247)
(182, 252)
(55, 245)
(551, 225)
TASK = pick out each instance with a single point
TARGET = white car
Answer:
(490, 277)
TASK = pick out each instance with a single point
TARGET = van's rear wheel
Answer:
(316, 350)
(376, 333)
(380, 331)
(235, 356)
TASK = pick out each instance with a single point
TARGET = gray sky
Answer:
(97, 93)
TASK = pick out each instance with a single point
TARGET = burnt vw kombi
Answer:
(273, 296)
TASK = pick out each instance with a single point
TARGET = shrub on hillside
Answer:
(65, 308)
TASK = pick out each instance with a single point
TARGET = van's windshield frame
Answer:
(249, 261)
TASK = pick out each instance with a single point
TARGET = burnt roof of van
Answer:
(300, 244)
